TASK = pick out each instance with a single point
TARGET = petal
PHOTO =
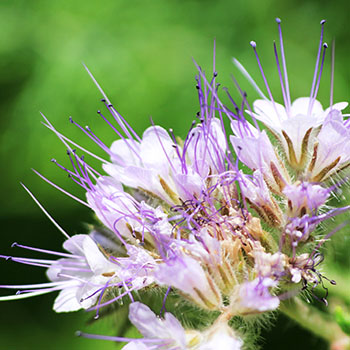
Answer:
(156, 148)
(74, 244)
(137, 345)
(187, 274)
(149, 325)
(296, 129)
(174, 329)
(337, 106)
(255, 152)
(96, 260)
(67, 300)
(301, 106)
(124, 152)
(270, 113)
(221, 337)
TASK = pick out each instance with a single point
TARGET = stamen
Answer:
(15, 244)
(64, 138)
(46, 213)
(163, 309)
(325, 46)
(24, 295)
(119, 119)
(61, 189)
(253, 45)
(316, 66)
(118, 339)
(288, 104)
(50, 217)
(121, 136)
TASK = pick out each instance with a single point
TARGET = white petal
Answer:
(222, 337)
(266, 112)
(301, 106)
(74, 244)
(156, 148)
(137, 345)
(124, 152)
(67, 300)
(296, 129)
(94, 257)
(337, 106)
(146, 321)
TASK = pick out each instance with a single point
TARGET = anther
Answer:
(110, 105)
(96, 317)
(98, 112)
(18, 292)
(71, 120)
(78, 333)
(103, 100)
(325, 45)
(53, 160)
(253, 44)
(68, 152)
(323, 21)
(215, 74)
(8, 258)
(278, 20)
(14, 244)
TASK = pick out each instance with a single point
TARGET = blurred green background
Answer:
(141, 53)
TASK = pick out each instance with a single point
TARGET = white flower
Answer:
(165, 334)
(187, 275)
(256, 151)
(254, 296)
(168, 334)
(292, 126)
(220, 336)
(305, 198)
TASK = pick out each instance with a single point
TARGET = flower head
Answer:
(180, 214)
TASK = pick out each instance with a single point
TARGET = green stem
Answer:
(312, 319)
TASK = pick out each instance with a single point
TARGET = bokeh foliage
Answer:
(141, 53)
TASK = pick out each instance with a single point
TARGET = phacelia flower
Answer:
(181, 218)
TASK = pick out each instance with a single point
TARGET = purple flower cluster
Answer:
(180, 215)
